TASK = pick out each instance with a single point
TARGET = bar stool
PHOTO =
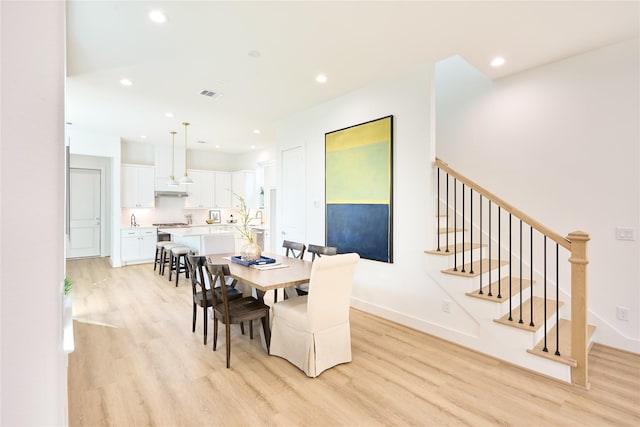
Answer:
(178, 253)
(159, 253)
(165, 252)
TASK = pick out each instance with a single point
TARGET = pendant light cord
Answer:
(185, 148)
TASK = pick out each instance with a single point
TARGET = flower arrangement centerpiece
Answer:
(251, 251)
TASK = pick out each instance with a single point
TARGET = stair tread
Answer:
(444, 230)
(475, 267)
(538, 314)
(504, 288)
(564, 342)
(454, 249)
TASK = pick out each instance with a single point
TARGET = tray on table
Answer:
(261, 261)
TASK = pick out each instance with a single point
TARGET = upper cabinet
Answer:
(244, 184)
(201, 192)
(137, 186)
(222, 192)
(163, 162)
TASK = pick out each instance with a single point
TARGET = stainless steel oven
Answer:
(165, 237)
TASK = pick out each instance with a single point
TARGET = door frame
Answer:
(281, 193)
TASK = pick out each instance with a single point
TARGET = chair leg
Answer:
(251, 329)
(267, 331)
(275, 296)
(215, 331)
(178, 266)
(228, 344)
(195, 309)
(204, 314)
(171, 257)
(161, 266)
(156, 259)
(242, 327)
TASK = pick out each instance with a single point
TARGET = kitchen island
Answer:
(204, 239)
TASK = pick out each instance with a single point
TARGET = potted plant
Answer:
(251, 251)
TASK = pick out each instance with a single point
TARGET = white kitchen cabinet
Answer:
(162, 157)
(138, 244)
(222, 191)
(201, 192)
(244, 184)
(137, 186)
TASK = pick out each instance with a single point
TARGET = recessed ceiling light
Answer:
(170, 115)
(157, 16)
(217, 146)
(126, 82)
(321, 78)
(253, 146)
(497, 61)
(143, 136)
(256, 131)
(201, 142)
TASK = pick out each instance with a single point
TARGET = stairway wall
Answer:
(576, 123)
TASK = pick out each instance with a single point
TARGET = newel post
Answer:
(579, 334)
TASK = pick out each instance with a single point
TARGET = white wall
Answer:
(560, 142)
(400, 291)
(32, 193)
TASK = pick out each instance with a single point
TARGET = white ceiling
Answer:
(206, 45)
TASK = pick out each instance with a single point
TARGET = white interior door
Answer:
(293, 196)
(84, 211)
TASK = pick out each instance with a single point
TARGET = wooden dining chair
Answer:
(293, 250)
(201, 295)
(315, 250)
(234, 311)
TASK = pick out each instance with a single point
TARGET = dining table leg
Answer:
(259, 295)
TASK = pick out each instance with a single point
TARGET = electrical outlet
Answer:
(446, 306)
(625, 233)
(622, 313)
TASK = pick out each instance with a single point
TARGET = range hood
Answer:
(165, 193)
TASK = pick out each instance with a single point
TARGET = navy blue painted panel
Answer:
(360, 228)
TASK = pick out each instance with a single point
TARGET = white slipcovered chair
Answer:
(313, 331)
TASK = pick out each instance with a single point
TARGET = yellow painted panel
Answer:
(368, 133)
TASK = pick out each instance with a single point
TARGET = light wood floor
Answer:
(137, 363)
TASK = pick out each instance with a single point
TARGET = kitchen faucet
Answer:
(133, 220)
(259, 212)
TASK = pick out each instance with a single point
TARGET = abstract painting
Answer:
(359, 190)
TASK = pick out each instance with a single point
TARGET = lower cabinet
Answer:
(138, 245)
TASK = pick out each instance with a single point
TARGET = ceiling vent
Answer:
(210, 93)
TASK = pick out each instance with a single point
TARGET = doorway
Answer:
(293, 195)
(84, 213)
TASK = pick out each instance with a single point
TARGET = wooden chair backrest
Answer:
(218, 275)
(317, 250)
(195, 265)
(294, 249)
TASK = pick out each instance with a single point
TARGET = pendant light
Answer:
(185, 179)
(172, 178)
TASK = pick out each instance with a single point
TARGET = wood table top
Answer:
(295, 273)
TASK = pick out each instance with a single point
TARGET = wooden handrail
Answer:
(562, 241)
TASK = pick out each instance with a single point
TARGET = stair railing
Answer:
(575, 243)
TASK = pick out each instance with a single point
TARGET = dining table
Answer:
(285, 273)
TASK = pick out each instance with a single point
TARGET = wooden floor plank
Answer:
(138, 363)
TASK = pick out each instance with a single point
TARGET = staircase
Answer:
(503, 269)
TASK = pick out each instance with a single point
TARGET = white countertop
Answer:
(204, 230)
